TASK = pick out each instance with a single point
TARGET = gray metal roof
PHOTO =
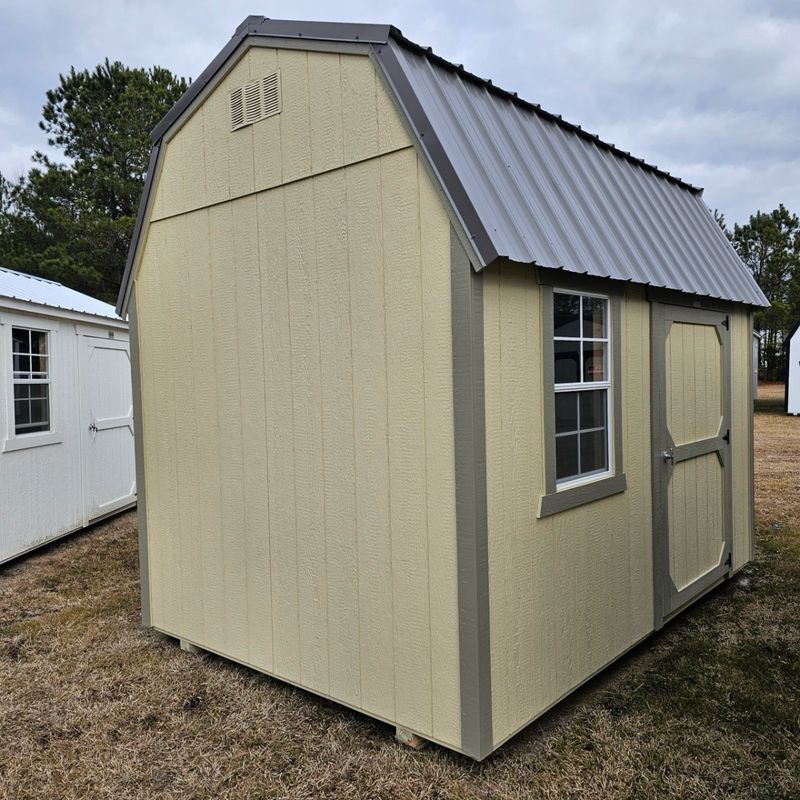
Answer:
(524, 183)
(536, 190)
(40, 291)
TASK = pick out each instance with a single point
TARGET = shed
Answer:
(443, 402)
(66, 428)
(791, 360)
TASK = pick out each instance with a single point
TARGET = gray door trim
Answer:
(138, 438)
(668, 599)
(472, 537)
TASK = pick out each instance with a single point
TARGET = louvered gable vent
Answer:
(255, 101)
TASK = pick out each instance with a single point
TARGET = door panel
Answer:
(109, 475)
(691, 439)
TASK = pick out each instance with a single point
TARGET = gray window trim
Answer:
(554, 501)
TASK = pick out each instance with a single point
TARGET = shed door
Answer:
(109, 471)
(691, 459)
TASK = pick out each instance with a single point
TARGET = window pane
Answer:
(566, 411)
(593, 451)
(19, 341)
(22, 365)
(39, 364)
(38, 342)
(593, 409)
(594, 318)
(22, 391)
(566, 456)
(22, 412)
(37, 390)
(594, 357)
(39, 411)
(567, 362)
(566, 314)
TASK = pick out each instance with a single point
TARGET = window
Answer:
(31, 381)
(581, 385)
(582, 390)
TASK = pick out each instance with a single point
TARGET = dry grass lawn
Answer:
(92, 706)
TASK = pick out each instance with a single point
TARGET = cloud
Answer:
(707, 90)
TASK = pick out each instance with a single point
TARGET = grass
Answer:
(92, 706)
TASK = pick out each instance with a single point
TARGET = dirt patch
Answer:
(92, 706)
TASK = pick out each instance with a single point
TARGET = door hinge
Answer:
(729, 560)
(727, 437)
(726, 323)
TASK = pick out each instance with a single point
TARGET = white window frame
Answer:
(583, 386)
(12, 441)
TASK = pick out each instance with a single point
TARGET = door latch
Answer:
(668, 455)
(93, 427)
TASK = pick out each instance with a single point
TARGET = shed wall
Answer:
(570, 592)
(296, 377)
(41, 491)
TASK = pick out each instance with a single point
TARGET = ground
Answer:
(92, 706)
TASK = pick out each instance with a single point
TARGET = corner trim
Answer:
(472, 538)
(144, 203)
(138, 438)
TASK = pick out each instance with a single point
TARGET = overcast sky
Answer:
(706, 89)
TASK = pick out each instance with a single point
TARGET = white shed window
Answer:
(582, 383)
(31, 380)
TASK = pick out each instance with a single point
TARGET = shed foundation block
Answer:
(409, 738)
(188, 647)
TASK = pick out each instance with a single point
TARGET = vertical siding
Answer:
(335, 112)
(31, 516)
(318, 386)
(569, 592)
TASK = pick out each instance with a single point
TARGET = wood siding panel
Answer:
(572, 591)
(335, 112)
(370, 420)
(319, 312)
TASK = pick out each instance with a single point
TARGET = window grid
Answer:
(583, 386)
(31, 380)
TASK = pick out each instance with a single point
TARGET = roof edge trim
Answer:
(390, 69)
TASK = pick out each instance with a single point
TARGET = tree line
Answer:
(71, 220)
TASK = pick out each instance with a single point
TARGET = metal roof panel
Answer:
(30, 289)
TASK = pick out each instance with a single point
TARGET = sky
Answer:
(707, 89)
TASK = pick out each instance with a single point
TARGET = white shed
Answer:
(791, 349)
(66, 427)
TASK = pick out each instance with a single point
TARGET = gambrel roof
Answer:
(522, 183)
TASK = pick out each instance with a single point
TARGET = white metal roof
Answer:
(30, 289)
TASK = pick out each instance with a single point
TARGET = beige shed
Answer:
(443, 403)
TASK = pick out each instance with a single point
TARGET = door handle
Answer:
(668, 455)
(93, 427)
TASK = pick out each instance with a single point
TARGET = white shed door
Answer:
(109, 473)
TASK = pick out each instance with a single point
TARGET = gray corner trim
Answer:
(429, 144)
(137, 229)
(580, 495)
(141, 493)
(752, 458)
(658, 361)
(554, 501)
(471, 505)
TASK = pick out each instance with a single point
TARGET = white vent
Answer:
(255, 101)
